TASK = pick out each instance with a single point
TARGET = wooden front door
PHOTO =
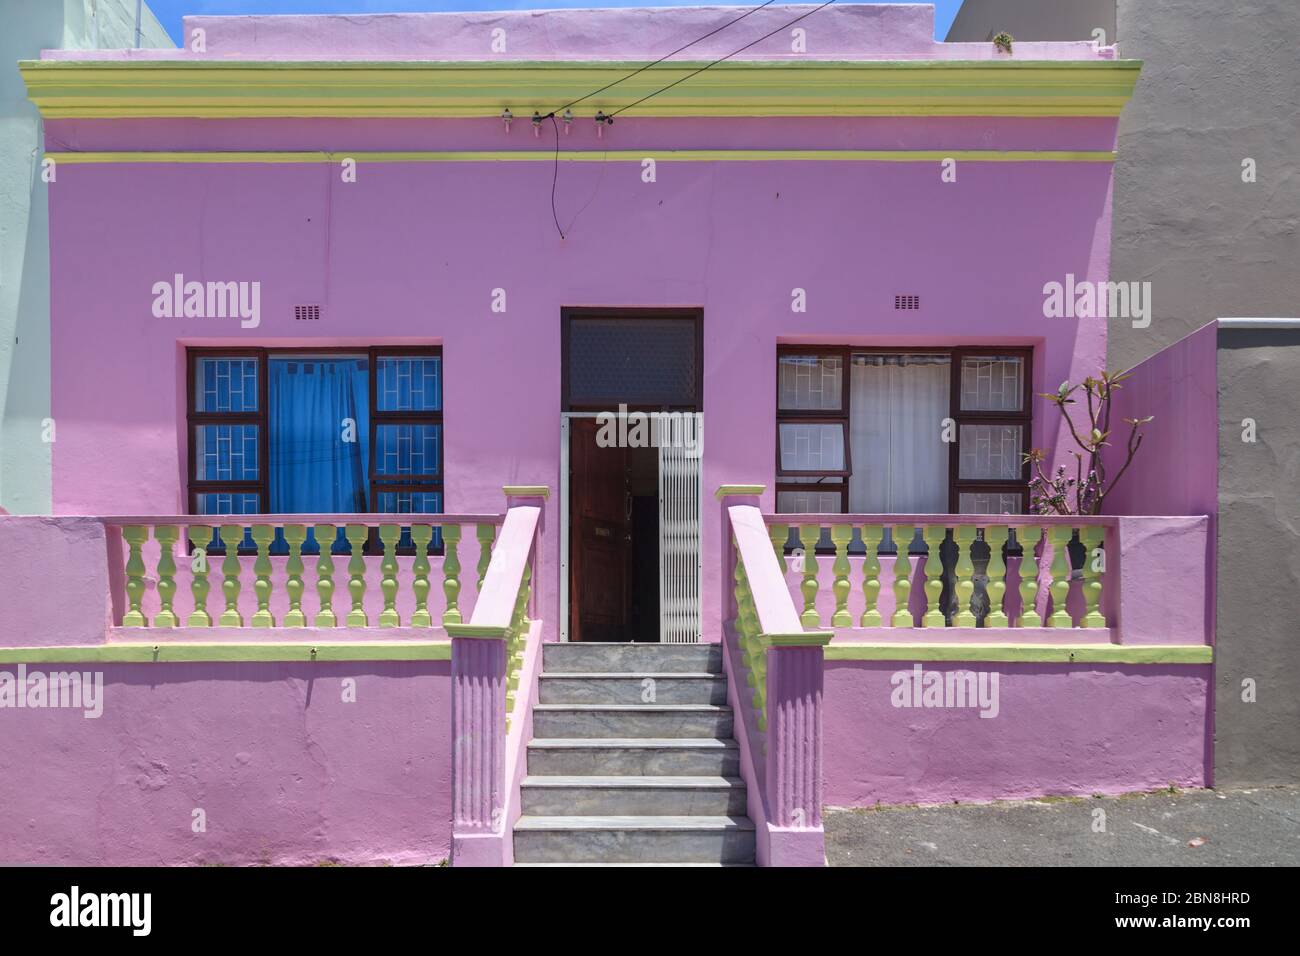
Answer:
(600, 539)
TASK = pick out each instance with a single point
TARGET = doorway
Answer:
(631, 443)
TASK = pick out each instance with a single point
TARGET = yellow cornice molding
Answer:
(230, 88)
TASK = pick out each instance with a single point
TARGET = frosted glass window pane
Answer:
(988, 503)
(992, 383)
(991, 452)
(810, 382)
(807, 446)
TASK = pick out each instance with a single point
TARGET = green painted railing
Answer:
(248, 582)
(1045, 577)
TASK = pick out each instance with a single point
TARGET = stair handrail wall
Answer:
(487, 656)
(778, 692)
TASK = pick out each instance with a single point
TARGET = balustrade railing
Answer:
(988, 571)
(265, 589)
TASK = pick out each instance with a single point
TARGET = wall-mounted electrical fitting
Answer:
(601, 122)
(568, 121)
(507, 118)
(537, 123)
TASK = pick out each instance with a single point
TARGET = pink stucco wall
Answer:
(411, 253)
(285, 771)
(1061, 729)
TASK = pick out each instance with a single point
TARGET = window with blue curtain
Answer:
(316, 433)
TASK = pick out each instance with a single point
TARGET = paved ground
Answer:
(1258, 827)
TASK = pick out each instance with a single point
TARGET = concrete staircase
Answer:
(632, 760)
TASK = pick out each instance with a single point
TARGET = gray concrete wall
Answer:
(979, 20)
(1220, 84)
(26, 28)
(1258, 613)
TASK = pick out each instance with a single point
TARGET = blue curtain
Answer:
(313, 469)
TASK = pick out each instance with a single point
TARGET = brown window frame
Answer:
(261, 487)
(956, 484)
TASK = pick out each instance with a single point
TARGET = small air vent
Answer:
(907, 302)
(306, 313)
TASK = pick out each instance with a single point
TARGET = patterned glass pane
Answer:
(409, 450)
(225, 385)
(637, 361)
(412, 502)
(808, 446)
(991, 452)
(808, 502)
(992, 383)
(226, 453)
(229, 503)
(409, 383)
(988, 503)
(811, 382)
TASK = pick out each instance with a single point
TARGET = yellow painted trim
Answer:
(202, 87)
(1025, 653)
(121, 652)
(728, 491)
(527, 491)
(592, 156)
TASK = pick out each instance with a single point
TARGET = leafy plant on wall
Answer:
(1085, 492)
(1003, 42)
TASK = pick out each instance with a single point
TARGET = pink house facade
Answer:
(398, 287)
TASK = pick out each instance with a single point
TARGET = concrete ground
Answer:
(1259, 827)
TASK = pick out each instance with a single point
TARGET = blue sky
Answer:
(171, 11)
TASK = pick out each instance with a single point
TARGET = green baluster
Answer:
(135, 537)
(294, 536)
(485, 533)
(421, 535)
(451, 573)
(1092, 538)
(231, 535)
(356, 535)
(902, 575)
(809, 535)
(780, 534)
(199, 536)
(325, 534)
(997, 574)
(1060, 536)
(934, 536)
(871, 535)
(166, 536)
(263, 535)
(964, 535)
(1027, 537)
(841, 534)
(388, 534)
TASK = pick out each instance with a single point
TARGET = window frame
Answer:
(956, 355)
(261, 418)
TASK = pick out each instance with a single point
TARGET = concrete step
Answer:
(632, 720)
(584, 658)
(634, 839)
(646, 756)
(614, 688)
(631, 795)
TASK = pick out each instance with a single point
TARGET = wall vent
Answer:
(907, 302)
(306, 313)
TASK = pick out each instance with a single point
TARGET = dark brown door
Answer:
(600, 537)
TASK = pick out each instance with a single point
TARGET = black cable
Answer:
(566, 106)
(721, 59)
(555, 175)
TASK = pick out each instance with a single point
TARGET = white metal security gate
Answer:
(681, 445)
